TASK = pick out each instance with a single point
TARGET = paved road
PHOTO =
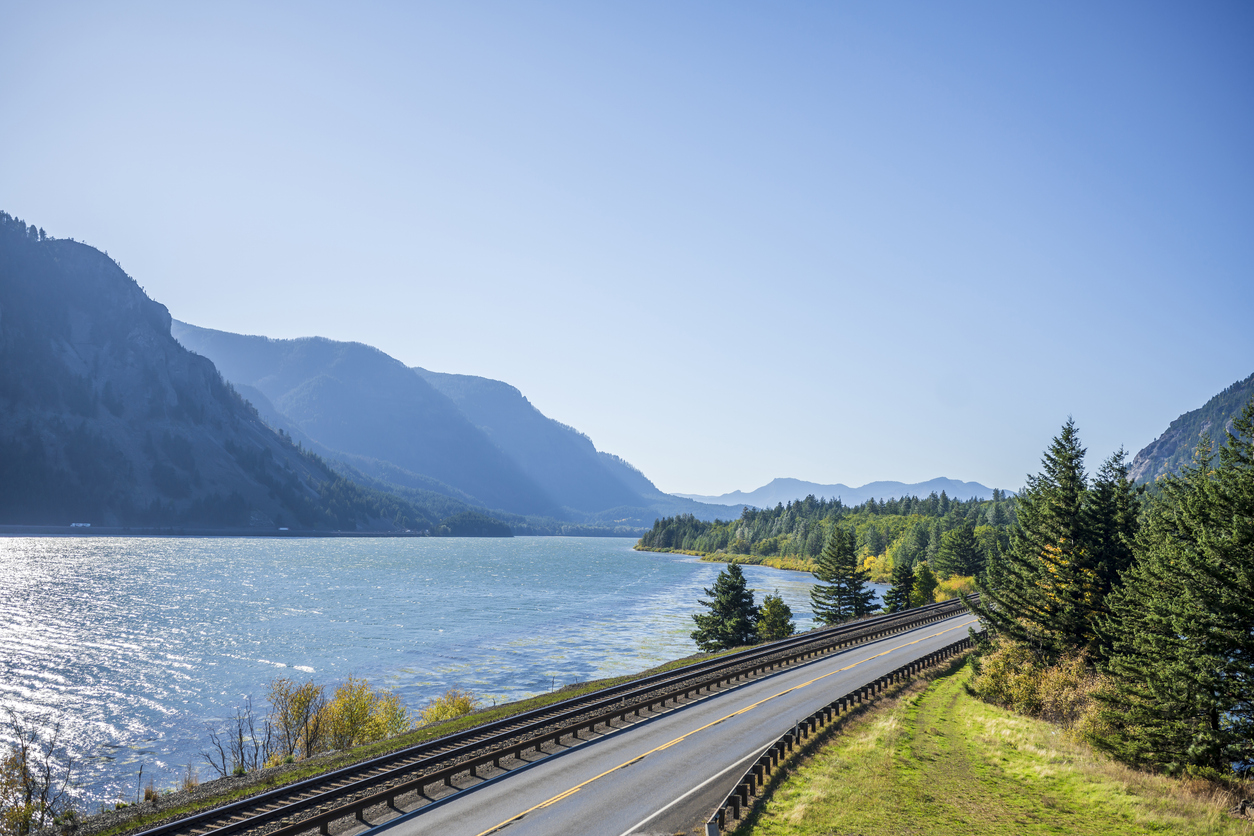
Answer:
(663, 774)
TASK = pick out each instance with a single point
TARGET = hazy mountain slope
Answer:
(559, 458)
(790, 490)
(373, 473)
(1174, 448)
(105, 418)
(356, 400)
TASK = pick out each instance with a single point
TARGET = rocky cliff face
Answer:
(1174, 448)
(105, 418)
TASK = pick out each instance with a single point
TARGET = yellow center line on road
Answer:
(685, 736)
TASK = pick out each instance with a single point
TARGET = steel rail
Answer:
(524, 731)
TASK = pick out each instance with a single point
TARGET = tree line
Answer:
(887, 533)
(1130, 613)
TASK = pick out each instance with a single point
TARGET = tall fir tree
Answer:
(1042, 590)
(1112, 514)
(959, 554)
(1180, 674)
(898, 596)
(843, 591)
(732, 620)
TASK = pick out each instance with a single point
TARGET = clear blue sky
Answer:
(729, 241)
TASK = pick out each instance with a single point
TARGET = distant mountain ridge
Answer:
(469, 438)
(785, 490)
(1174, 448)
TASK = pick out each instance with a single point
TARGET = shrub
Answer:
(1013, 676)
(954, 586)
(454, 703)
(360, 714)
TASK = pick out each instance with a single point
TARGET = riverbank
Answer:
(788, 563)
(937, 760)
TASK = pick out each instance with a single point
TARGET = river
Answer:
(136, 646)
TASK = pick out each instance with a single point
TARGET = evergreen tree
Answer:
(898, 596)
(1112, 512)
(1042, 590)
(775, 619)
(733, 619)
(925, 584)
(842, 592)
(959, 554)
(1180, 692)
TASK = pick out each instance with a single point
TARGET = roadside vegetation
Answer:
(1144, 604)
(51, 768)
(938, 760)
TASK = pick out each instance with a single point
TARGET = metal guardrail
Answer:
(744, 795)
(380, 781)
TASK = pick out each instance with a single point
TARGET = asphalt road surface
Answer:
(665, 774)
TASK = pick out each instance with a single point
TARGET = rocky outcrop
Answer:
(1174, 448)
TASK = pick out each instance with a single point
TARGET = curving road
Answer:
(663, 774)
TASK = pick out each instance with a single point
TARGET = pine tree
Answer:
(1042, 591)
(1112, 513)
(959, 554)
(1180, 675)
(925, 584)
(842, 592)
(898, 596)
(775, 619)
(733, 619)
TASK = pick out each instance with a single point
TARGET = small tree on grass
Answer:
(455, 703)
(775, 620)
(733, 619)
(898, 596)
(843, 591)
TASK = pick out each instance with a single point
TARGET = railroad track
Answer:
(349, 791)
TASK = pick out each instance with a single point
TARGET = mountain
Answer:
(558, 458)
(1174, 448)
(356, 400)
(472, 439)
(105, 418)
(789, 490)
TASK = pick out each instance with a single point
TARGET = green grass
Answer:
(936, 760)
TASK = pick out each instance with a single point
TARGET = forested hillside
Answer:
(106, 419)
(889, 532)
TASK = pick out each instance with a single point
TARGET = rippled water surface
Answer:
(137, 645)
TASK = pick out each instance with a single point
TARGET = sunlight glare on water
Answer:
(138, 645)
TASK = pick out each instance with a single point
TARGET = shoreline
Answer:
(191, 531)
(785, 563)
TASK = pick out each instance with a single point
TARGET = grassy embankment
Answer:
(215, 793)
(934, 759)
